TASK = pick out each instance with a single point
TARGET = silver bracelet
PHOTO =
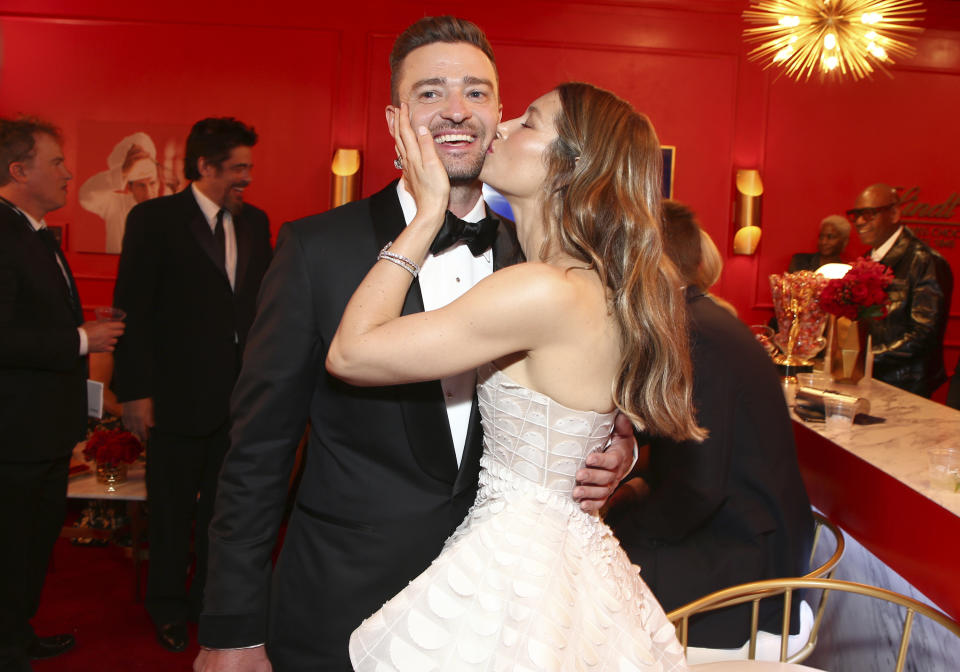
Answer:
(400, 260)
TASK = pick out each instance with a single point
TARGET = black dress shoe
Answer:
(173, 636)
(48, 647)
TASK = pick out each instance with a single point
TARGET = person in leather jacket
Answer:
(908, 342)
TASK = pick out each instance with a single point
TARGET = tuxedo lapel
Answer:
(388, 223)
(47, 258)
(472, 449)
(65, 288)
(73, 295)
(200, 229)
(506, 248)
(424, 411)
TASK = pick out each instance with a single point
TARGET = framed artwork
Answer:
(669, 165)
(120, 164)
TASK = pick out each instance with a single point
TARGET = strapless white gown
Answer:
(528, 581)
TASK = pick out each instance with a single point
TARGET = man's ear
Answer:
(205, 168)
(895, 215)
(391, 112)
(18, 171)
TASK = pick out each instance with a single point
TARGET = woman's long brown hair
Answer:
(603, 204)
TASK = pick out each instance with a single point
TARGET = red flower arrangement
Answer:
(112, 446)
(860, 294)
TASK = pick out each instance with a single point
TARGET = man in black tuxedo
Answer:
(390, 472)
(734, 508)
(188, 279)
(43, 403)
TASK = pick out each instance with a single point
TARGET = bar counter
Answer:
(873, 481)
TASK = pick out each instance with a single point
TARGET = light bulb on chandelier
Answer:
(832, 37)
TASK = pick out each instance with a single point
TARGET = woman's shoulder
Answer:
(536, 293)
(536, 280)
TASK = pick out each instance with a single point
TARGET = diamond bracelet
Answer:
(398, 259)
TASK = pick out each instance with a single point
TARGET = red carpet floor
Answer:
(89, 593)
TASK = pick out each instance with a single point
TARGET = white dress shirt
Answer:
(880, 252)
(210, 210)
(444, 278)
(84, 344)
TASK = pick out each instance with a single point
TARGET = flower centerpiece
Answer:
(858, 296)
(112, 450)
(861, 294)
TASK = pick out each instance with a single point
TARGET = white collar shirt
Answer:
(444, 278)
(880, 252)
(210, 210)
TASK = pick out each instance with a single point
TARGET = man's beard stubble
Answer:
(464, 175)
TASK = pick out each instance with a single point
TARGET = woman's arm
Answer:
(375, 346)
(505, 313)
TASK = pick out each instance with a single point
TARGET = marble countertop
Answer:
(899, 445)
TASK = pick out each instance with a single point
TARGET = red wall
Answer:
(312, 77)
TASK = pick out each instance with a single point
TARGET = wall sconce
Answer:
(746, 211)
(346, 176)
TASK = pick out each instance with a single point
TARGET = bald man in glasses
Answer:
(908, 342)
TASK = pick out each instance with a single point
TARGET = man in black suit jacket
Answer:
(908, 342)
(733, 508)
(384, 482)
(188, 279)
(43, 407)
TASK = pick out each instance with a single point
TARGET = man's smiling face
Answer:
(451, 89)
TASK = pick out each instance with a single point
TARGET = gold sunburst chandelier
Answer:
(832, 37)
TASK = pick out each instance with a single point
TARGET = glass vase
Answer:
(111, 474)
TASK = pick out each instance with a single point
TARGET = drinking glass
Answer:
(764, 335)
(944, 468)
(839, 413)
(108, 314)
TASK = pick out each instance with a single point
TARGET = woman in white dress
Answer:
(591, 325)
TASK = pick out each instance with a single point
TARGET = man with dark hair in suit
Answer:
(390, 472)
(908, 341)
(188, 279)
(729, 510)
(43, 346)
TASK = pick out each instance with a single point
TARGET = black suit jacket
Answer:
(732, 509)
(43, 405)
(381, 489)
(908, 342)
(185, 327)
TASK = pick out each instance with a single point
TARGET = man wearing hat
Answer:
(130, 179)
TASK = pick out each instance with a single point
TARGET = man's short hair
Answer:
(213, 139)
(429, 30)
(681, 239)
(18, 141)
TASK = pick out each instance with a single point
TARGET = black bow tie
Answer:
(478, 236)
(49, 239)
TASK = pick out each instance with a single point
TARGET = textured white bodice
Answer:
(530, 439)
(528, 582)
